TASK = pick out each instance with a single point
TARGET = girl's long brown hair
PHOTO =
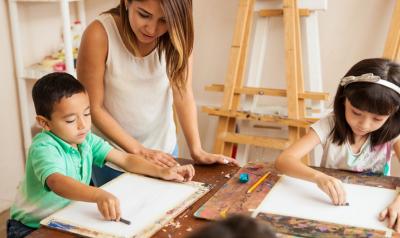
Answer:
(177, 43)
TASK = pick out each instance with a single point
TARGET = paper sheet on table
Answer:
(146, 202)
(303, 199)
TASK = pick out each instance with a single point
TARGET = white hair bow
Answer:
(369, 78)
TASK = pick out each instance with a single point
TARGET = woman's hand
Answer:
(159, 158)
(178, 173)
(333, 187)
(392, 213)
(203, 157)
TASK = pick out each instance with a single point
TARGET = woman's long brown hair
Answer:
(177, 43)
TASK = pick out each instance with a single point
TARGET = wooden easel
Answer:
(392, 45)
(233, 88)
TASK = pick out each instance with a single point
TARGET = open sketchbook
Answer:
(147, 203)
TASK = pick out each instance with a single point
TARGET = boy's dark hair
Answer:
(51, 88)
(237, 226)
(370, 97)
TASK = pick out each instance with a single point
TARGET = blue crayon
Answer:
(244, 178)
(59, 225)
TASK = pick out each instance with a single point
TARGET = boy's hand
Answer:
(178, 173)
(333, 187)
(392, 213)
(108, 205)
(159, 158)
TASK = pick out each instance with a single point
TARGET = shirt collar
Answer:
(65, 145)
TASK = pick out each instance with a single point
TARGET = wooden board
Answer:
(232, 197)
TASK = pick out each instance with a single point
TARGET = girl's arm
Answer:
(91, 63)
(289, 162)
(396, 148)
(185, 107)
(392, 212)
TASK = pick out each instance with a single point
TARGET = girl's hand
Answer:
(108, 205)
(392, 213)
(203, 157)
(159, 158)
(333, 187)
(178, 173)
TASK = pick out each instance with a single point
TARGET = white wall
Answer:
(350, 30)
(11, 159)
(95, 7)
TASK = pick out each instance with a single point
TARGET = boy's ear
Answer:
(43, 122)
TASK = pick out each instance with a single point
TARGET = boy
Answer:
(59, 164)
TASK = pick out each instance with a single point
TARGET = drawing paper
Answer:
(303, 199)
(145, 202)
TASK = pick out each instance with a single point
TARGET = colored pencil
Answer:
(255, 185)
(124, 221)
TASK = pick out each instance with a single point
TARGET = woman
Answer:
(135, 61)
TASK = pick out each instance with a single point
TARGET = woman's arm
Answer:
(185, 107)
(91, 63)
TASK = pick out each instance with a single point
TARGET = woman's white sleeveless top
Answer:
(137, 92)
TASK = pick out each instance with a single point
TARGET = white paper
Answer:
(143, 202)
(303, 199)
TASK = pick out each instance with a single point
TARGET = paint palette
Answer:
(232, 198)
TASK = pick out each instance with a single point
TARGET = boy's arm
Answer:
(70, 188)
(137, 164)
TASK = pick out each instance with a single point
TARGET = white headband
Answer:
(369, 78)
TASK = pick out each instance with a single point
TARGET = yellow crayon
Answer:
(255, 185)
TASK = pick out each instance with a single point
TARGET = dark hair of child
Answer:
(370, 97)
(237, 226)
(51, 88)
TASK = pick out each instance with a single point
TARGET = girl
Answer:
(135, 62)
(358, 136)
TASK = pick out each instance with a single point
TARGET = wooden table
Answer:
(244, 203)
(185, 222)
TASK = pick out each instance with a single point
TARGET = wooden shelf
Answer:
(34, 72)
